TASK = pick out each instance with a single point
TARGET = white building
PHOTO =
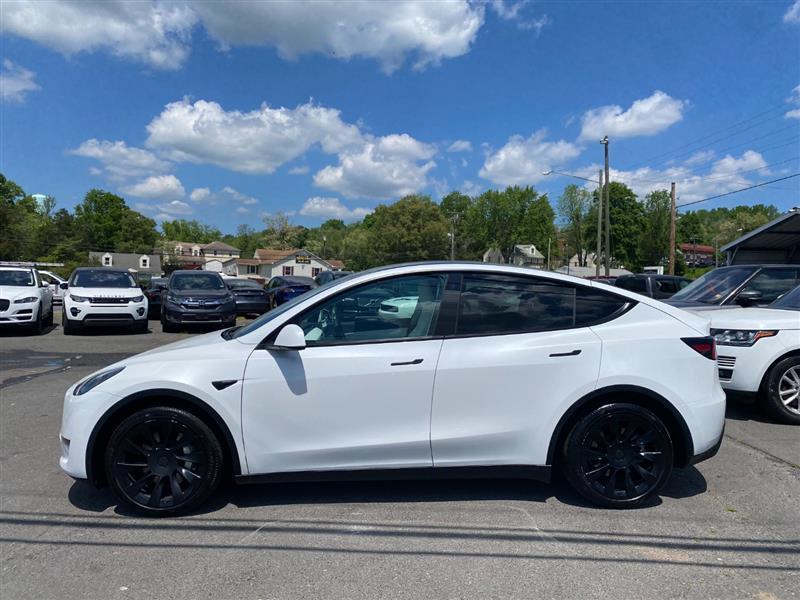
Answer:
(268, 263)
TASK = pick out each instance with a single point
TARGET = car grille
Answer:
(4, 304)
(108, 300)
(726, 364)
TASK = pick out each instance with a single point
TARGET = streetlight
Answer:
(599, 182)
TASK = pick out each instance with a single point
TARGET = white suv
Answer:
(25, 300)
(759, 354)
(499, 368)
(103, 296)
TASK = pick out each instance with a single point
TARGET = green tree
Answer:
(182, 230)
(654, 236)
(627, 218)
(281, 234)
(574, 206)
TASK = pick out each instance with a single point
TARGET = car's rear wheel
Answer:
(163, 461)
(783, 391)
(618, 455)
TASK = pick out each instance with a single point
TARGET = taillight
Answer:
(706, 346)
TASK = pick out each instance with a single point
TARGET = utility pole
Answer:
(548, 254)
(672, 229)
(599, 223)
(604, 141)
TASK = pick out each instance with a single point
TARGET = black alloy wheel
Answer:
(618, 455)
(163, 461)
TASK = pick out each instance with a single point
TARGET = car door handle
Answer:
(573, 353)
(416, 361)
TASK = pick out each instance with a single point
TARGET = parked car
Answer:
(101, 297)
(739, 285)
(197, 297)
(54, 281)
(284, 288)
(251, 298)
(154, 292)
(328, 276)
(500, 369)
(25, 300)
(655, 286)
(759, 354)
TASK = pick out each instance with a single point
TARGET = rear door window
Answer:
(594, 306)
(633, 284)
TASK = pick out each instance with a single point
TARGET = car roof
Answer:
(103, 269)
(195, 272)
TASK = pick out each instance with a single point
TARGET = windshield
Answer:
(789, 301)
(102, 279)
(16, 278)
(239, 284)
(714, 286)
(276, 312)
(196, 281)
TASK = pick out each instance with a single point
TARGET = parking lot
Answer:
(729, 528)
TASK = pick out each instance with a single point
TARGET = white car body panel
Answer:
(54, 281)
(99, 307)
(486, 400)
(749, 364)
(23, 313)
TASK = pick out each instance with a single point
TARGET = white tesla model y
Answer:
(498, 370)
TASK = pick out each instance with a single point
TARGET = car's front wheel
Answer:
(618, 455)
(783, 391)
(163, 461)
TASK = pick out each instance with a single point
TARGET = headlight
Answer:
(26, 300)
(171, 298)
(75, 298)
(739, 337)
(95, 380)
(137, 299)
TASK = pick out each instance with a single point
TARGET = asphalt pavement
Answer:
(729, 528)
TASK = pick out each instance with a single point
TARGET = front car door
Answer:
(359, 395)
(521, 355)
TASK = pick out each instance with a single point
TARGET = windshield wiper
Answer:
(228, 333)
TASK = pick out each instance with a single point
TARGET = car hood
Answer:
(755, 318)
(11, 292)
(105, 292)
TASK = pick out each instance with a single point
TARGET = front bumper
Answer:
(179, 314)
(80, 414)
(19, 314)
(88, 314)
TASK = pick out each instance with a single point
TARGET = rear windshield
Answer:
(242, 283)
(102, 279)
(299, 281)
(19, 278)
(196, 281)
(714, 286)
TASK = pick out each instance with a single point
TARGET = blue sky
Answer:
(226, 112)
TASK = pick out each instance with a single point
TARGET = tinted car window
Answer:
(634, 284)
(101, 279)
(772, 283)
(391, 309)
(493, 304)
(713, 287)
(16, 278)
(666, 286)
(594, 306)
(789, 301)
(196, 281)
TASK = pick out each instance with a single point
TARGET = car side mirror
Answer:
(749, 297)
(291, 337)
(64, 285)
(44, 284)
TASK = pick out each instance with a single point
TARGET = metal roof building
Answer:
(777, 242)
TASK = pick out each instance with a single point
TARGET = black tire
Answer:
(140, 326)
(168, 327)
(37, 326)
(783, 385)
(69, 328)
(618, 455)
(163, 461)
(48, 321)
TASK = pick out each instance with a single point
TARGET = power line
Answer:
(762, 184)
(686, 176)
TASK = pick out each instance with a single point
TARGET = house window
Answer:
(315, 271)
(107, 260)
(252, 269)
(178, 249)
(288, 270)
(195, 251)
(144, 262)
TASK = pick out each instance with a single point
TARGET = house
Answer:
(526, 255)
(193, 255)
(493, 255)
(589, 271)
(272, 263)
(697, 255)
(143, 266)
(574, 261)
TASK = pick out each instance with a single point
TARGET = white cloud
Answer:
(470, 188)
(175, 208)
(700, 157)
(793, 114)
(795, 97)
(161, 187)
(16, 82)
(242, 210)
(301, 170)
(382, 167)
(647, 116)
(253, 142)
(512, 11)
(792, 14)
(385, 31)
(156, 33)
(233, 194)
(726, 174)
(460, 146)
(120, 160)
(200, 194)
(521, 161)
(331, 208)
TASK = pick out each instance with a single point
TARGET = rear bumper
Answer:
(256, 306)
(709, 453)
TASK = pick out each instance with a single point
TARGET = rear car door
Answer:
(521, 354)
